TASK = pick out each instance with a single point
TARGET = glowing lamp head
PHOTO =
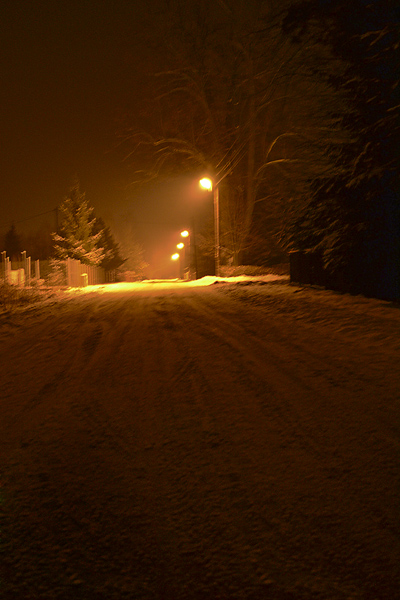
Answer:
(185, 233)
(175, 256)
(206, 184)
(180, 245)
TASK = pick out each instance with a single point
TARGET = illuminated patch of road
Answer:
(166, 284)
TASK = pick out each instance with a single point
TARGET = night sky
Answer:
(70, 70)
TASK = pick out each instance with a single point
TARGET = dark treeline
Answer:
(292, 108)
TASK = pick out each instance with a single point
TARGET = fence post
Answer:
(4, 260)
(37, 269)
(77, 272)
(28, 271)
(81, 270)
(23, 255)
(68, 263)
(8, 270)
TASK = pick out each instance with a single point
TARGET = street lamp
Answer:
(190, 259)
(207, 184)
(182, 261)
(176, 257)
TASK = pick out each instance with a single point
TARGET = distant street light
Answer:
(176, 257)
(207, 184)
(180, 245)
(190, 259)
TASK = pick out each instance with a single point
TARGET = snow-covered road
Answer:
(230, 441)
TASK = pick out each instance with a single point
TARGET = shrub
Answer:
(57, 276)
(12, 296)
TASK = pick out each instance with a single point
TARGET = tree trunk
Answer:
(251, 153)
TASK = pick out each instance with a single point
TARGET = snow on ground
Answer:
(362, 320)
(230, 439)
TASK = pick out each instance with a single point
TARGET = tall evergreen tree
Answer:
(112, 254)
(77, 237)
(12, 243)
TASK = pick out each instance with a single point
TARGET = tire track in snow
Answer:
(265, 369)
(166, 418)
(269, 347)
(208, 332)
(48, 368)
(290, 413)
(264, 359)
(197, 419)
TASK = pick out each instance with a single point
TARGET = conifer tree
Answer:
(12, 243)
(77, 237)
(352, 213)
(112, 254)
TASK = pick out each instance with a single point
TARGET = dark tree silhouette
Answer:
(12, 243)
(237, 98)
(112, 254)
(353, 214)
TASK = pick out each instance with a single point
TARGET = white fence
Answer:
(79, 275)
(23, 272)
(19, 273)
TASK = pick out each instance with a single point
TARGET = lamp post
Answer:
(207, 184)
(190, 259)
(182, 262)
(176, 257)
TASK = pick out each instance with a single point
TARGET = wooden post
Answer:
(69, 274)
(216, 230)
(4, 262)
(28, 271)
(37, 269)
(23, 254)
(8, 270)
